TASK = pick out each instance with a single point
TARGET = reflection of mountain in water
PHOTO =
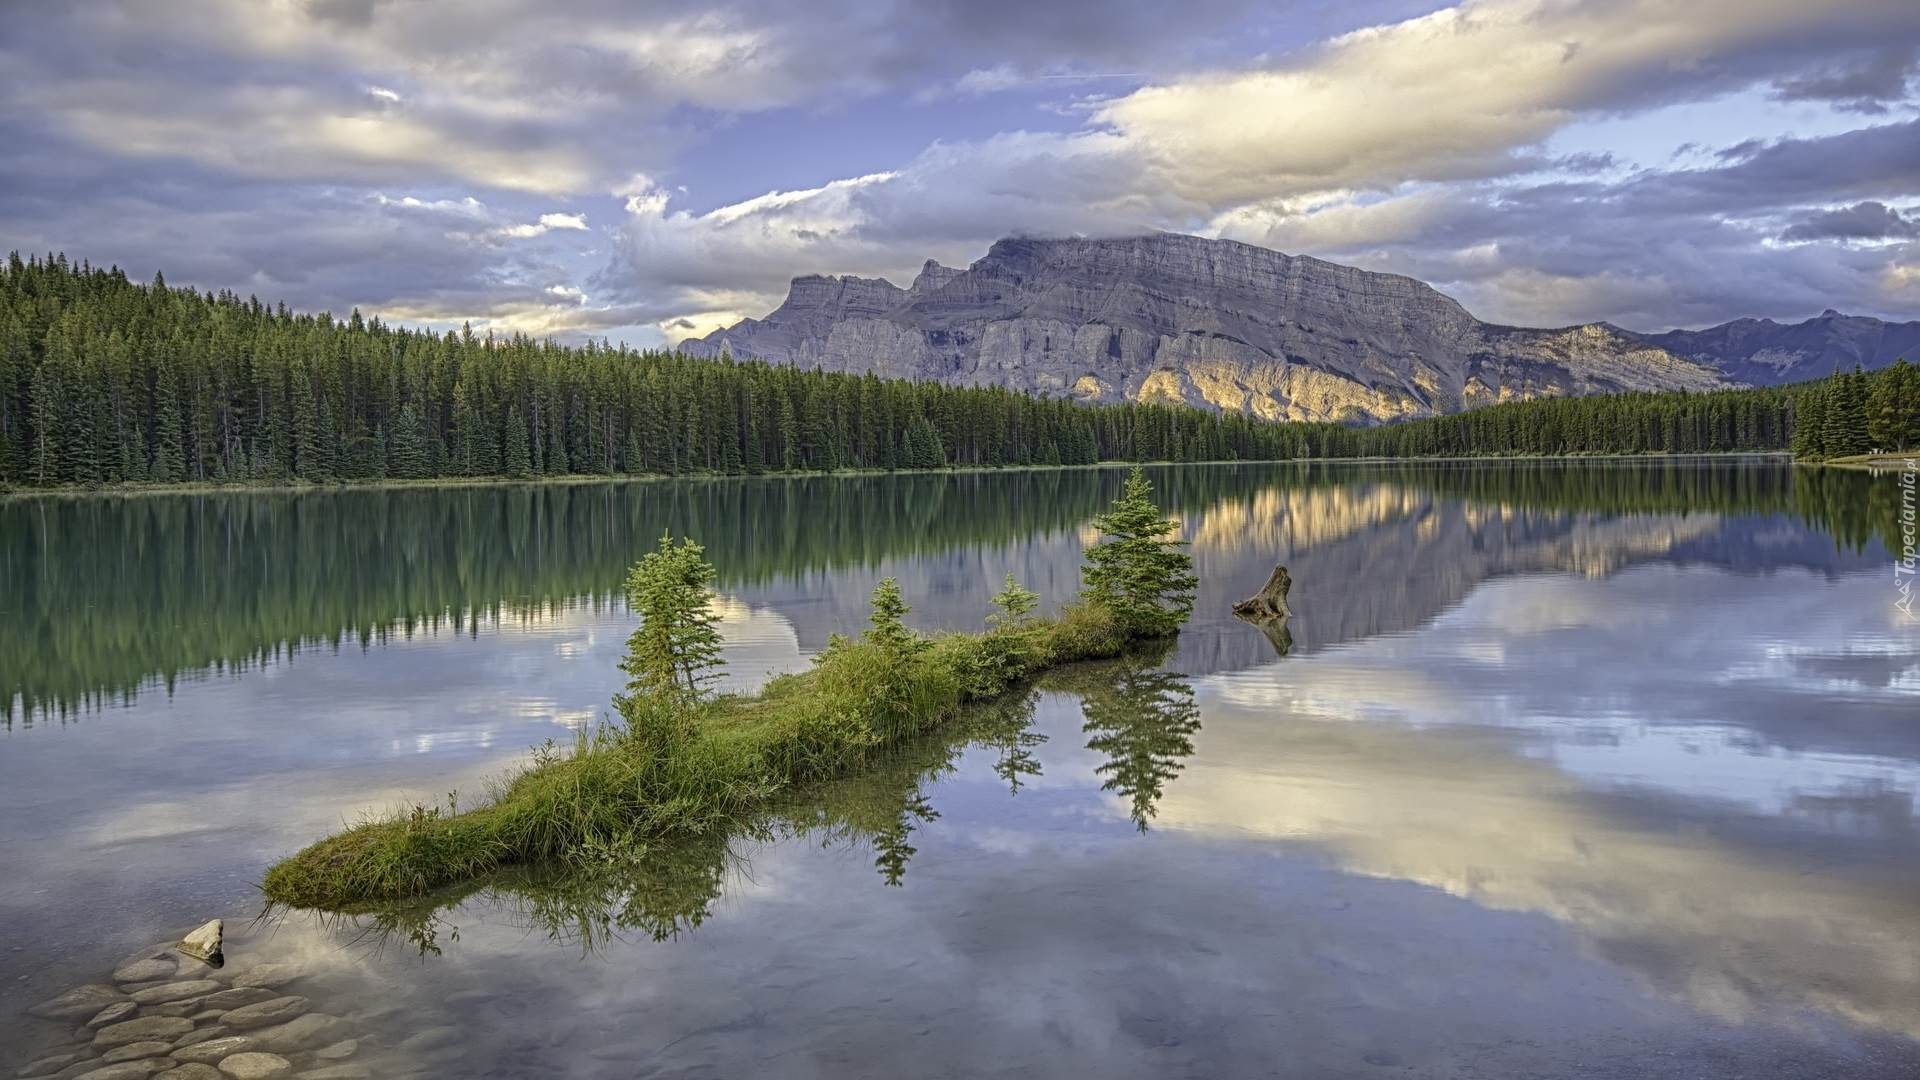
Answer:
(100, 598)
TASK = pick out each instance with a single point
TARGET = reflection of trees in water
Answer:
(1141, 718)
(108, 596)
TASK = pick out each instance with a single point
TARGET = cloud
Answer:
(1416, 146)
(1868, 83)
(546, 224)
(1861, 221)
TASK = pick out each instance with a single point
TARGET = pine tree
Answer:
(675, 652)
(1809, 424)
(518, 455)
(887, 625)
(409, 453)
(1142, 575)
(1893, 407)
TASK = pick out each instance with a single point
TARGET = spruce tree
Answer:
(675, 652)
(1809, 424)
(887, 625)
(518, 455)
(1141, 574)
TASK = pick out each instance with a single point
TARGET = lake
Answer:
(1558, 769)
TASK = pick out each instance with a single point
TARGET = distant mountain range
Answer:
(1226, 325)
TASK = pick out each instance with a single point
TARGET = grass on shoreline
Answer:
(674, 772)
(1875, 463)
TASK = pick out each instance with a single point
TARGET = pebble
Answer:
(136, 1051)
(175, 991)
(113, 1014)
(78, 1003)
(252, 1066)
(206, 1014)
(211, 1051)
(266, 1012)
(145, 970)
(342, 1049)
(147, 1027)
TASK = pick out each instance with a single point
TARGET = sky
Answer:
(640, 172)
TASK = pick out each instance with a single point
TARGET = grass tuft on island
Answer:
(682, 761)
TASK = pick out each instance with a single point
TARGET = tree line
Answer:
(1858, 412)
(107, 381)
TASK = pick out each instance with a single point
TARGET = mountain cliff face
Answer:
(1184, 319)
(1766, 353)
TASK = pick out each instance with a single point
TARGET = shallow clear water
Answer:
(1600, 769)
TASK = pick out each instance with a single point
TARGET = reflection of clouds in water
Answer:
(1619, 707)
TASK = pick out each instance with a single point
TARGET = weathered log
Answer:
(1271, 601)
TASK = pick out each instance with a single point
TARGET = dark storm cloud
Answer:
(1869, 83)
(1861, 221)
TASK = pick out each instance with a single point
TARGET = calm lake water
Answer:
(1598, 769)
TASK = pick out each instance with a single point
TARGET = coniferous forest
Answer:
(106, 381)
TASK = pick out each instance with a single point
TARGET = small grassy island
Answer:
(683, 761)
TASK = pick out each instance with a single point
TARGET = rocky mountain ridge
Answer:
(1212, 323)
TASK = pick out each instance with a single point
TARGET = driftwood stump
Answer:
(1270, 602)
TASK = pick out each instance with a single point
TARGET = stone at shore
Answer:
(136, 1051)
(270, 976)
(300, 1032)
(194, 1071)
(146, 1027)
(51, 1064)
(342, 1049)
(113, 1014)
(146, 970)
(78, 1003)
(176, 991)
(279, 1010)
(253, 1066)
(213, 1051)
(204, 942)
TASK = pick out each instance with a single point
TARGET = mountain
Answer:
(1766, 353)
(1212, 323)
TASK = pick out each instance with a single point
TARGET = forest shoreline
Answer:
(130, 489)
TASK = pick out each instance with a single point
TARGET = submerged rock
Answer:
(254, 1066)
(276, 1011)
(204, 942)
(342, 1049)
(51, 1064)
(200, 1035)
(213, 1051)
(129, 1069)
(78, 1003)
(337, 1072)
(147, 1027)
(237, 997)
(301, 1032)
(113, 1014)
(176, 991)
(136, 1051)
(195, 1071)
(269, 976)
(145, 970)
